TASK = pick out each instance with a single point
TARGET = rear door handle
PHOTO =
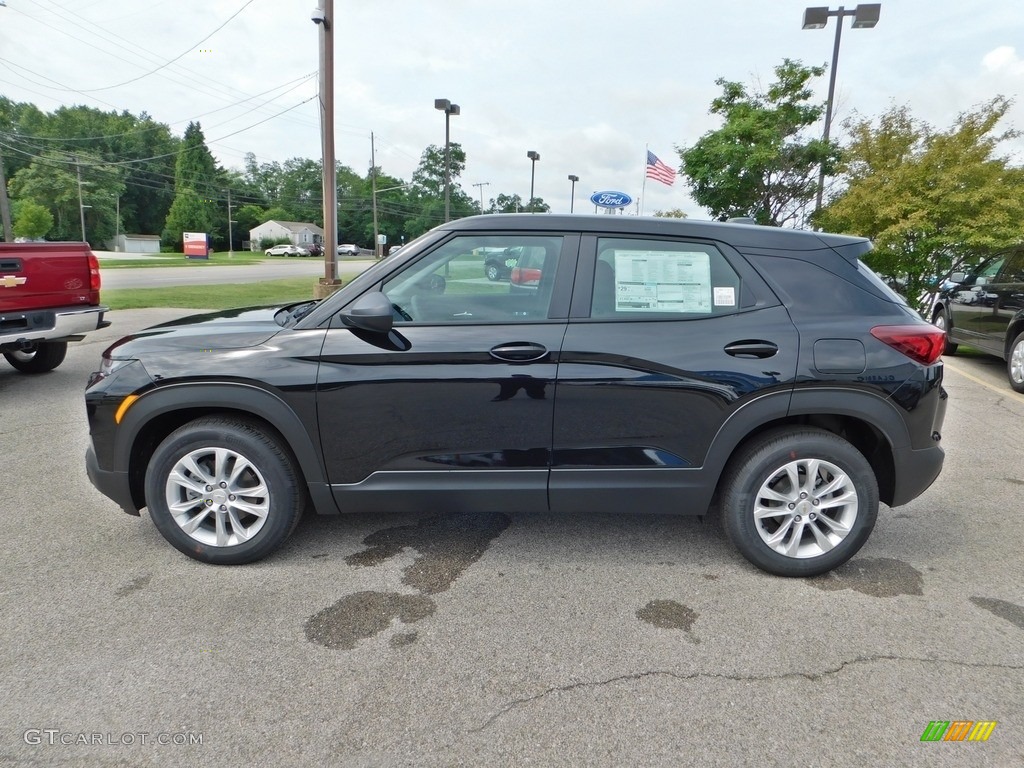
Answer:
(519, 352)
(752, 348)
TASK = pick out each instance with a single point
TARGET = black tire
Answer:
(492, 272)
(762, 464)
(42, 357)
(940, 321)
(1015, 364)
(270, 468)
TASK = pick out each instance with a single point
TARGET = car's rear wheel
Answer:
(224, 490)
(1015, 363)
(492, 272)
(41, 357)
(939, 321)
(799, 501)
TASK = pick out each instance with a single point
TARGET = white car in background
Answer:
(286, 250)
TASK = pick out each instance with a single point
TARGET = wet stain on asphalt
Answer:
(133, 586)
(403, 639)
(668, 614)
(1012, 612)
(1014, 480)
(364, 615)
(447, 546)
(877, 577)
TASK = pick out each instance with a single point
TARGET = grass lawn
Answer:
(227, 296)
(219, 258)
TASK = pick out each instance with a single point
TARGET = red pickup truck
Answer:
(49, 295)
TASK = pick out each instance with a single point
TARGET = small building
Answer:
(299, 233)
(135, 244)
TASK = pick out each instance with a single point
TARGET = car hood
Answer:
(231, 329)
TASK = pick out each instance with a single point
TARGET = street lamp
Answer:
(572, 193)
(449, 109)
(534, 157)
(865, 16)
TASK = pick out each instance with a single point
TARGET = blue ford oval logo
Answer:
(611, 199)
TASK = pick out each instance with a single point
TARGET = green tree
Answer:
(929, 199)
(32, 220)
(672, 213)
(197, 191)
(506, 204)
(761, 163)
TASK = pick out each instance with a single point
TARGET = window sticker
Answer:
(660, 281)
(725, 296)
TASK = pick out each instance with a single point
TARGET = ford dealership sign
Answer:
(611, 199)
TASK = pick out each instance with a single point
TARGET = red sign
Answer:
(196, 246)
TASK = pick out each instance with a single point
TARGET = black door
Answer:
(453, 409)
(671, 341)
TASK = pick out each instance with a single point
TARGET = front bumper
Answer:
(113, 485)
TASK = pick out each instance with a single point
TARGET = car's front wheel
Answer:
(1015, 363)
(41, 357)
(224, 490)
(799, 501)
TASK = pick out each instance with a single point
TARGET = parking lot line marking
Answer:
(976, 380)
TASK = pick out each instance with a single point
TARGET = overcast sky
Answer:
(588, 84)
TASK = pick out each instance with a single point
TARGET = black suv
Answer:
(985, 309)
(642, 365)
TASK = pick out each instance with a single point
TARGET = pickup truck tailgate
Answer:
(42, 275)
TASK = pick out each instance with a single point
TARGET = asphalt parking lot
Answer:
(437, 640)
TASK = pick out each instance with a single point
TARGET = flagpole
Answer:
(643, 187)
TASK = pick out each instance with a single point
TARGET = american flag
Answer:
(658, 171)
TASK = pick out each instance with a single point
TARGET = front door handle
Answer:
(519, 352)
(752, 348)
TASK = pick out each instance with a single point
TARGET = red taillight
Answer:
(922, 343)
(525, 276)
(94, 272)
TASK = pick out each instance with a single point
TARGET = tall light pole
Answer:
(323, 17)
(572, 194)
(449, 109)
(534, 157)
(865, 16)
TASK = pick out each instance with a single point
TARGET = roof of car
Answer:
(737, 235)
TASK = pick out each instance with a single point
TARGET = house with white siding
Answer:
(299, 233)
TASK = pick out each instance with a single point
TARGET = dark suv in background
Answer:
(637, 365)
(984, 308)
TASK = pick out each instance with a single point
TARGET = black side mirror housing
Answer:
(371, 312)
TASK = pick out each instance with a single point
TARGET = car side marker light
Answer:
(125, 405)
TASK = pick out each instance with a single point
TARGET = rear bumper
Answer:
(113, 485)
(915, 472)
(50, 324)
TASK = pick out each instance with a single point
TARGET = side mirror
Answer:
(958, 277)
(371, 312)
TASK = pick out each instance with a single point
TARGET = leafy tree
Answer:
(427, 192)
(196, 190)
(672, 213)
(52, 180)
(760, 163)
(506, 204)
(929, 199)
(32, 220)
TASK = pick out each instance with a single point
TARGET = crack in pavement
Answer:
(811, 676)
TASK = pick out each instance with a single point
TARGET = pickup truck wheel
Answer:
(42, 357)
(799, 501)
(493, 273)
(1015, 364)
(939, 321)
(224, 491)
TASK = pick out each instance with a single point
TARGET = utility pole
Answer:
(373, 182)
(482, 184)
(323, 17)
(231, 231)
(81, 208)
(5, 205)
